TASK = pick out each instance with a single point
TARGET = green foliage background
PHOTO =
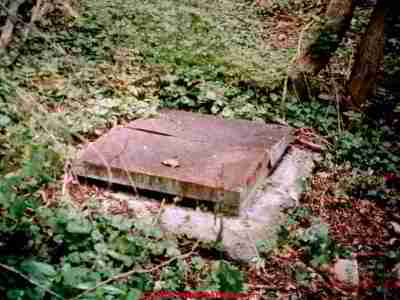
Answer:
(120, 60)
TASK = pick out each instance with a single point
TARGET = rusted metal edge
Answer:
(228, 201)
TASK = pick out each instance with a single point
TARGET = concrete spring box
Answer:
(189, 155)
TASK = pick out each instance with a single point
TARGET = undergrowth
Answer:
(120, 60)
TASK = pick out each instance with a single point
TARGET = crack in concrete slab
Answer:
(151, 131)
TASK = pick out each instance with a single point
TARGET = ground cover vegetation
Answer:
(72, 70)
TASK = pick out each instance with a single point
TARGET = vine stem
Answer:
(11, 269)
(137, 271)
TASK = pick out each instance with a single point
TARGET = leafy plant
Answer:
(318, 247)
(226, 277)
(120, 60)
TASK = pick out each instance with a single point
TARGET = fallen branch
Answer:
(310, 145)
(137, 271)
(11, 269)
(309, 139)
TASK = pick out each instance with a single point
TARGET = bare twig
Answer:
(11, 269)
(309, 144)
(37, 109)
(337, 97)
(298, 54)
(137, 271)
(157, 218)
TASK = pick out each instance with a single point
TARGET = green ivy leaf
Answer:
(4, 120)
(73, 276)
(228, 277)
(127, 260)
(113, 290)
(80, 226)
(134, 294)
(37, 268)
(85, 285)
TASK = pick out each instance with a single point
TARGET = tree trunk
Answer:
(368, 58)
(319, 43)
(8, 28)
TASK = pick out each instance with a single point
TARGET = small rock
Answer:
(346, 271)
(173, 163)
(396, 227)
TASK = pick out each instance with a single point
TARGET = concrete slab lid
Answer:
(240, 235)
(258, 222)
(190, 155)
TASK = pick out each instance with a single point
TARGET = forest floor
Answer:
(109, 62)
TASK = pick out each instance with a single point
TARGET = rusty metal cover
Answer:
(189, 155)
